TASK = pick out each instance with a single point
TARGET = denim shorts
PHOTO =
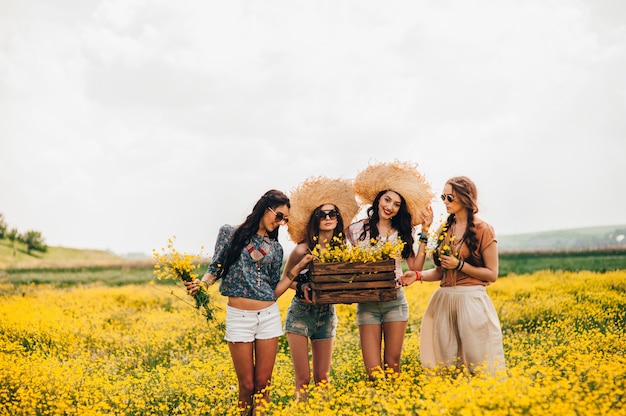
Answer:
(246, 326)
(376, 313)
(317, 322)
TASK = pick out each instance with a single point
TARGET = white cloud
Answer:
(126, 122)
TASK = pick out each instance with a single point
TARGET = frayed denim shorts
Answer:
(318, 322)
(376, 313)
(246, 326)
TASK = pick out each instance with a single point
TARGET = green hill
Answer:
(56, 257)
(589, 238)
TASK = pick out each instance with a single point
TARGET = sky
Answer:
(126, 122)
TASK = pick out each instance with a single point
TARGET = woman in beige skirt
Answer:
(460, 326)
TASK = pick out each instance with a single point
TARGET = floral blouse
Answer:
(246, 277)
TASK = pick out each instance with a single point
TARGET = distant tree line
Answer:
(33, 240)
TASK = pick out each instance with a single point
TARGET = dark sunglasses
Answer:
(449, 197)
(330, 214)
(280, 217)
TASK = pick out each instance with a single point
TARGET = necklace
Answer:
(455, 244)
(257, 254)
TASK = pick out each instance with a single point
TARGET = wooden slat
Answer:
(354, 277)
(350, 268)
(380, 284)
(355, 296)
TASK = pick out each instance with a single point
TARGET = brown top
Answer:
(486, 235)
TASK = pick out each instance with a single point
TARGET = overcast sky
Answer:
(124, 122)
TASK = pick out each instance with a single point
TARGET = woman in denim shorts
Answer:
(400, 201)
(248, 259)
(317, 220)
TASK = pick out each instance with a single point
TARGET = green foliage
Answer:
(3, 226)
(34, 241)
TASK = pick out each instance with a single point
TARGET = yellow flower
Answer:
(339, 252)
(182, 267)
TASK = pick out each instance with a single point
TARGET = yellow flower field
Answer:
(143, 350)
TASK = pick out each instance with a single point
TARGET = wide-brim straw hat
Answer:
(317, 191)
(400, 177)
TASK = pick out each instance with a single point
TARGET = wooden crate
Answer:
(356, 282)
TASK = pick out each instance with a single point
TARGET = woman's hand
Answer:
(409, 277)
(426, 218)
(306, 289)
(449, 262)
(194, 286)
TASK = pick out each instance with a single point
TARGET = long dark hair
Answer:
(401, 222)
(245, 231)
(467, 194)
(313, 228)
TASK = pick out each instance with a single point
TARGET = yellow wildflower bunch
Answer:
(339, 252)
(444, 243)
(171, 264)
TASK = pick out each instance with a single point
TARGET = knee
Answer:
(246, 387)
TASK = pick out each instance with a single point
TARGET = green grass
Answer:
(591, 260)
(63, 277)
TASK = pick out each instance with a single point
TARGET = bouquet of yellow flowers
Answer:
(338, 251)
(444, 243)
(182, 267)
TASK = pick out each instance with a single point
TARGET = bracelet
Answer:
(423, 238)
(460, 265)
(289, 275)
(419, 275)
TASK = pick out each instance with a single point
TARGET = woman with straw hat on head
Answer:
(320, 208)
(399, 198)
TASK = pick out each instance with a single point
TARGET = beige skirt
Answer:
(461, 327)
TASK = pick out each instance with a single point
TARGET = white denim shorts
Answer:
(246, 326)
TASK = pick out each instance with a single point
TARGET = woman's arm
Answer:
(297, 261)
(417, 260)
(488, 273)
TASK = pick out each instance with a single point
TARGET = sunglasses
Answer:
(280, 217)
(330, 214)
(449, 197)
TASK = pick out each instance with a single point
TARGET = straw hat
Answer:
(400, 177)
(317, 191)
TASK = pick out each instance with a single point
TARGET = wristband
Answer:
(418, 274)
(460, 265)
